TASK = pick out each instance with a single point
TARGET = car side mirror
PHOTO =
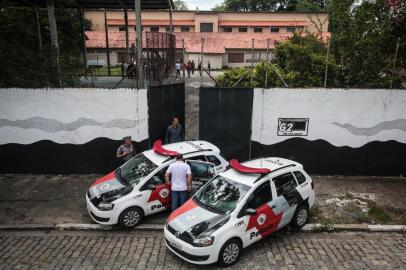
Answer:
(250, 212)
(151, 187)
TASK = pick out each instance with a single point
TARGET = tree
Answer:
(300, 61)
(22, 63)
(180, 5)
(363, 42)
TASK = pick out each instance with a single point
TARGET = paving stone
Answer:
(115, 250)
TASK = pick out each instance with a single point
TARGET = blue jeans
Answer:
(178, 198)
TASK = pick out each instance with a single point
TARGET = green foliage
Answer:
(180, 5)
(22, 64)
(300, 61)
(303, 61)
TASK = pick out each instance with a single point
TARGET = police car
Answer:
(138, 188)
(239, 207)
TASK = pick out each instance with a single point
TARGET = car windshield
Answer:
(221, 195)
(135, 169)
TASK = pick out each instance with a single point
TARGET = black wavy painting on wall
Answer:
(320, 157)
(47, 157)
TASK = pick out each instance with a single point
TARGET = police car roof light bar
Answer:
(157, 147)
(236, 165)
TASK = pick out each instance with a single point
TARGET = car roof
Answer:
(271, 163)
(184, 148)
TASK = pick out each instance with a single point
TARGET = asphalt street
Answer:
(146, 250)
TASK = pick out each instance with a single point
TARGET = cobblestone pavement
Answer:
(146, 250)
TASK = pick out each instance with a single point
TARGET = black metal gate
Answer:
(165, 102)
(225, 119)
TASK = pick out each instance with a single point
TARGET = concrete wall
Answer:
(334, 131)
(73, 116)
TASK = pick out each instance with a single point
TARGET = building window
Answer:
(290, 29)
(135, 28)
(154, 29)
(235, 57)
(184, 29)
(274, 29)
(258, 29)
(206, 27)
(121, 57)
(121, 28)
(227, 29)
(167, 29)
(243, 29)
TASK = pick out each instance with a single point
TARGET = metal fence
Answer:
(206, 57)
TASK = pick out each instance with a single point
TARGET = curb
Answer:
(158, 227)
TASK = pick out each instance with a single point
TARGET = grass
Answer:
(103, 71)
(378, 214)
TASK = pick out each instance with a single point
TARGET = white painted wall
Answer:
(72, 115)
(342, 117)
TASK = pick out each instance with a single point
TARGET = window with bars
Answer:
(258, 29)
(236, 57)
(206, 27)
(154, 29)
(227, 29)
(243, 29)
(290, 29)
(274, 29)
(185, 29)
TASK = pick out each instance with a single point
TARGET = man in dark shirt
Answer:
(174, 133)
(126, 151)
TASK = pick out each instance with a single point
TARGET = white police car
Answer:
(138, 187)
(237, 208)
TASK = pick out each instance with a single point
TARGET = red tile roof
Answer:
(213, 42)
(121, 22)
(263, 23)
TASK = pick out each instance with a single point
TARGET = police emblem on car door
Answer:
(158, 192)
(201, 173)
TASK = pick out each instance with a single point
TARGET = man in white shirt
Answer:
(181, 179)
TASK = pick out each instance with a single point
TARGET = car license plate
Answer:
(176, 245)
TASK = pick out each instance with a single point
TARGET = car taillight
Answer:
(312, 184)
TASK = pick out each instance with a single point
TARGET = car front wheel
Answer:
(130, 217)
(230, 252)
(301, 216)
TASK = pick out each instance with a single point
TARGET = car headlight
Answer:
(105, 206)
(203, 242)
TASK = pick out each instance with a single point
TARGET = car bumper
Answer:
(189, 253)
(101, 217)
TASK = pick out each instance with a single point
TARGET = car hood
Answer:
(195, 221)
(107, 186)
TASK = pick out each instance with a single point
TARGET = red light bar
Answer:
(162, 151)
(236, 165)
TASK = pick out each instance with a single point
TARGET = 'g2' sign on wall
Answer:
(293, 126)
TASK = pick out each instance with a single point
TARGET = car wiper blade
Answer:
(209, 207)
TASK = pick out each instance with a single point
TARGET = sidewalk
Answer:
(51, 199)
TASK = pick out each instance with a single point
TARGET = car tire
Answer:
(230, 253)
(301, 216)
(130, 218)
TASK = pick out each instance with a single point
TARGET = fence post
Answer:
(201, 66)
(252, 63)
(394, 62)
(326, 71)
(183, 49)
(267, 63)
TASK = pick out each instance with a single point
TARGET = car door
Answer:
(288, 196)
(201, 173)
(158, 192)
(263, 221)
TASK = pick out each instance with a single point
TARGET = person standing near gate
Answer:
(181, 181)
(174, 133)
(125, 151)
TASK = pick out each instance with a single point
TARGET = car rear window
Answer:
(214, 160)
(300, 177)
(284, 183)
